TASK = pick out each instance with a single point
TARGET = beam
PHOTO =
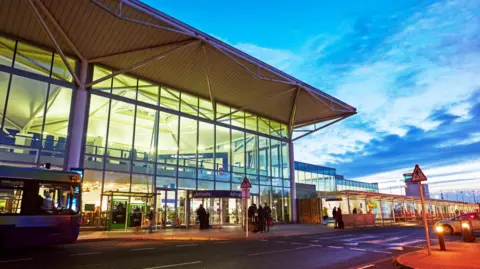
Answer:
(293, 113)
(214, 110)
(310, 122)
(256, 101)
(59, 29)
(53, 40)
(140, 64)
(128, 52)
(324, 126)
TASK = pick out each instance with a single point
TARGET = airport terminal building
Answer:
(156, 112)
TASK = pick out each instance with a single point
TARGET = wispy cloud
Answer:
(471, 139)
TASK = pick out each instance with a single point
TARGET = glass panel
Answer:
(120, 134)
(143, 168)
(91, 189)
(184, 183)
(98, 73)
(205, 174)
(166, 183)
(264, 156)
(277, 182)
(187, 172)
(166, 170)
(222, 157)
(252, 153)
(145, 134)
(275, 128)
(265, 195)
(7, 47)
(188, 142)
(148, 92)
(125, 86)
(284, 131)
(56, 123)
(276, 158)
(285, 160)
(237, 177)
(223, 110)
(33, 59)
(189, 104)
(238, 118)
(222, 186)
(169, 98)
(205, 185)
(11, 194)
(142, 183)
(4, 78)
(206, 110)
(238, 151)
(97, 125)
(60, 70)
(250, 122)
(167, 139)
(263, 125)
(116, 182)
(205, 145)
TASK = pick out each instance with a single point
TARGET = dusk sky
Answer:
(410, 67)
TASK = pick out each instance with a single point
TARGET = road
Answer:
(361, 248)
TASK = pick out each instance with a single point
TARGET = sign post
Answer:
(419, 176)
(246, 186)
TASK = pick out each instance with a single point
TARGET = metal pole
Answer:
(348, 203)
(246, 217)
(425, 218)
(393, 210)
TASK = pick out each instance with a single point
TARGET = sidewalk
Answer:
(458, 256)
(227, 233)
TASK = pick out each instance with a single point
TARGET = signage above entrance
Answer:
(245, 184)
(216, 194)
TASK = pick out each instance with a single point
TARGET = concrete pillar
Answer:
(293, 190)
(78, 122)
(348, 204)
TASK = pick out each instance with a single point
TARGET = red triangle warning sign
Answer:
(245, 184)
(418, 175)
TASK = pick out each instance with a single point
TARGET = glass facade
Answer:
(324, 179)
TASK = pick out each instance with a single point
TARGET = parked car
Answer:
(453, 226)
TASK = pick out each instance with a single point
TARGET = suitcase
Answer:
(341, 225)
(251, 227)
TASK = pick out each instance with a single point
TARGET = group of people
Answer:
(337, 216)
(260, 219)
(203, 218)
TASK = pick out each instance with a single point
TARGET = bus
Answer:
(38, 206)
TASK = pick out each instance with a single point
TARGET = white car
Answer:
(453, 226)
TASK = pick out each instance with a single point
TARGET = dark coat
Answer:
(338, 216)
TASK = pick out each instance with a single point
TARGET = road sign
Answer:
(418, 175)
(245, 184)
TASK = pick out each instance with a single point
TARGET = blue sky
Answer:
(410, 67)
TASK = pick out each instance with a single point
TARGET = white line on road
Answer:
(396, 248)
(380, 251)
(334, 247)
(313, 245)
(280, 241)
(187, 245)
(86, 253)
(140, 249)
(174, 265)
(295, 243)
(17, 260)
(314, 241)
(351, 244)
(385, 240)
(367, 266)
(359, 238)
(276, 251)
(408, 242)
(359, 249)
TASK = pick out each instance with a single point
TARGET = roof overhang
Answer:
(132, 37)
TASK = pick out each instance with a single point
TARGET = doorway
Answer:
(126, 209)
(165, 208)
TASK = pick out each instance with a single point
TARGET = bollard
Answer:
(441, 237)
(467, 232)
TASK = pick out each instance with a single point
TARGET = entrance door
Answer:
(119, 213)
(165, 211)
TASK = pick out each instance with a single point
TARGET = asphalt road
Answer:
(362, 248)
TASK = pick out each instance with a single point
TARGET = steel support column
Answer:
(293, 189)
(76, 137)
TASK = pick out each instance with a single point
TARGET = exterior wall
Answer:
(137, 137)
(412, 189)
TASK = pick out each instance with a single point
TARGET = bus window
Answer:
(10, 196)
(56, 198)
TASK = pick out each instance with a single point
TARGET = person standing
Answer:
(268, 217)
(325, 215)
(334, 213)
(150, 221)
(339, 219)
(201, 214)
(354, 210)
(261, 219)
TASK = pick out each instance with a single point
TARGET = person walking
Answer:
(325, 215)
(201, 214)
(150, 221)
(252, 210)
(354, 210)
(268, 217)
(334, 213)
(261, 218)
(339, 219)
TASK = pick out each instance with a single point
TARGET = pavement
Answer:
(374, 247)
(459, 255)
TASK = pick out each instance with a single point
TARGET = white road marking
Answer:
(140, 249)
(17, 260)
(276, 251)
(174, 265)
(295, 243)
(408, 242)
(359, 249)
(314, 241)
(314, 245)
(385, 240)
(86, 253)
(367, 266)
(396, 248)
(280, 241)
(359, 238)
(380, 251)
(187, 245)
(351, 244)
(334, 247)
